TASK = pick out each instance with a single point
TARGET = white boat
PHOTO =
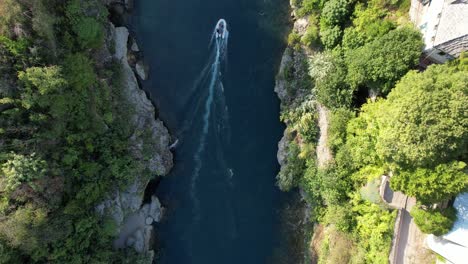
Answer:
(221, 29)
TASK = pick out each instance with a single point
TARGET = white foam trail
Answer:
(205, 129)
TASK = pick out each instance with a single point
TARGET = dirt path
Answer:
(323, 151)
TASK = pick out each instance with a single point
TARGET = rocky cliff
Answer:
(150, 145)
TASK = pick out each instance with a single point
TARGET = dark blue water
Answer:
(231, 211)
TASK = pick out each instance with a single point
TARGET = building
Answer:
(444, 25)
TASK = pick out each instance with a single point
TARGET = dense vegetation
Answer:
(385, 118)
(64, 135)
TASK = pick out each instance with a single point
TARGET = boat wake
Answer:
(218, 45)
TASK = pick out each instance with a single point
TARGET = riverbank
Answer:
(80, 140)
(151, 141)
(318, 102)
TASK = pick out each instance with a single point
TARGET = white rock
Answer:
(141, 70)
(149, 220)
(135, 47)
(139, 244)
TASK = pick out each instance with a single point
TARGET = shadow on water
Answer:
(221, 199)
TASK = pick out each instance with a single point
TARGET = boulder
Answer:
(139, 244)
(149, 220)
(155, 209)
(141, 70)
(134, 46)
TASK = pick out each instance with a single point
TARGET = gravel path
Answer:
(323, 151)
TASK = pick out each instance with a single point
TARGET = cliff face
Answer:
(150, 144)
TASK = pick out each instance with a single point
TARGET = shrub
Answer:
(329, 72)
(10, 16)
(330, 36)
(372, 66)
(335, 13)
(435, 222)
(290, 174)
(432, 185)
(337, 127)
(340, 216)
(22, 169)
(310, 6)
(311, 36)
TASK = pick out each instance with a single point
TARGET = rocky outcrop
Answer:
(133, 218)
(141, 70)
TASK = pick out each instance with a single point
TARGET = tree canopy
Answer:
(425, 118)
(381, 63)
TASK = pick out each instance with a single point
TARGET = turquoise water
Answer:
(223, 205)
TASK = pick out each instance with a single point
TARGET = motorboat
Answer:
(221, 29)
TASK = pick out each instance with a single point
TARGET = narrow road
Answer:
(403, 236)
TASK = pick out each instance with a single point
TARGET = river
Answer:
(223, 205)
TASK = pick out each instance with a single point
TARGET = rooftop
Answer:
(441, 21)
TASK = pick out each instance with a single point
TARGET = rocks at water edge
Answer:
(125, 206)
(141, 70)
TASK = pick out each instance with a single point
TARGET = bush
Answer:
(10, 15)
(432, 185)
(290, 173)
(21, 169)
(330, 36)
(329, 73)
(335, 13)
(294, 40)
(434, 106)
(308, 7)
(435, 222)
(337, 128)
(340, 216)
(90, 33)
(311, 36)
(373, 67)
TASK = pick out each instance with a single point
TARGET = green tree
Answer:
(434, 221)
(381, 63)
(22, 169)
(432, 185)
(362, 135)
(328, 70)
(337, 128)
(40, 83)
(425, 118)
(335, 13)
(289, 175)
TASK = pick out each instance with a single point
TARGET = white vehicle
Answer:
(221, 29)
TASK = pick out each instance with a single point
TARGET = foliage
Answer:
(339, 119)
(374, 229)
(10, 16)
(432, 185)
(426, 118)
(62, 150)
(435, 222)
(21, 169)
(340, 216)
(330, 36)
(381, 63)
(88, 29)
(290, 173)
(329, 72)
(337, 247)
(362, 135)
(309, 6)
(311, 36)
(335, 13)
